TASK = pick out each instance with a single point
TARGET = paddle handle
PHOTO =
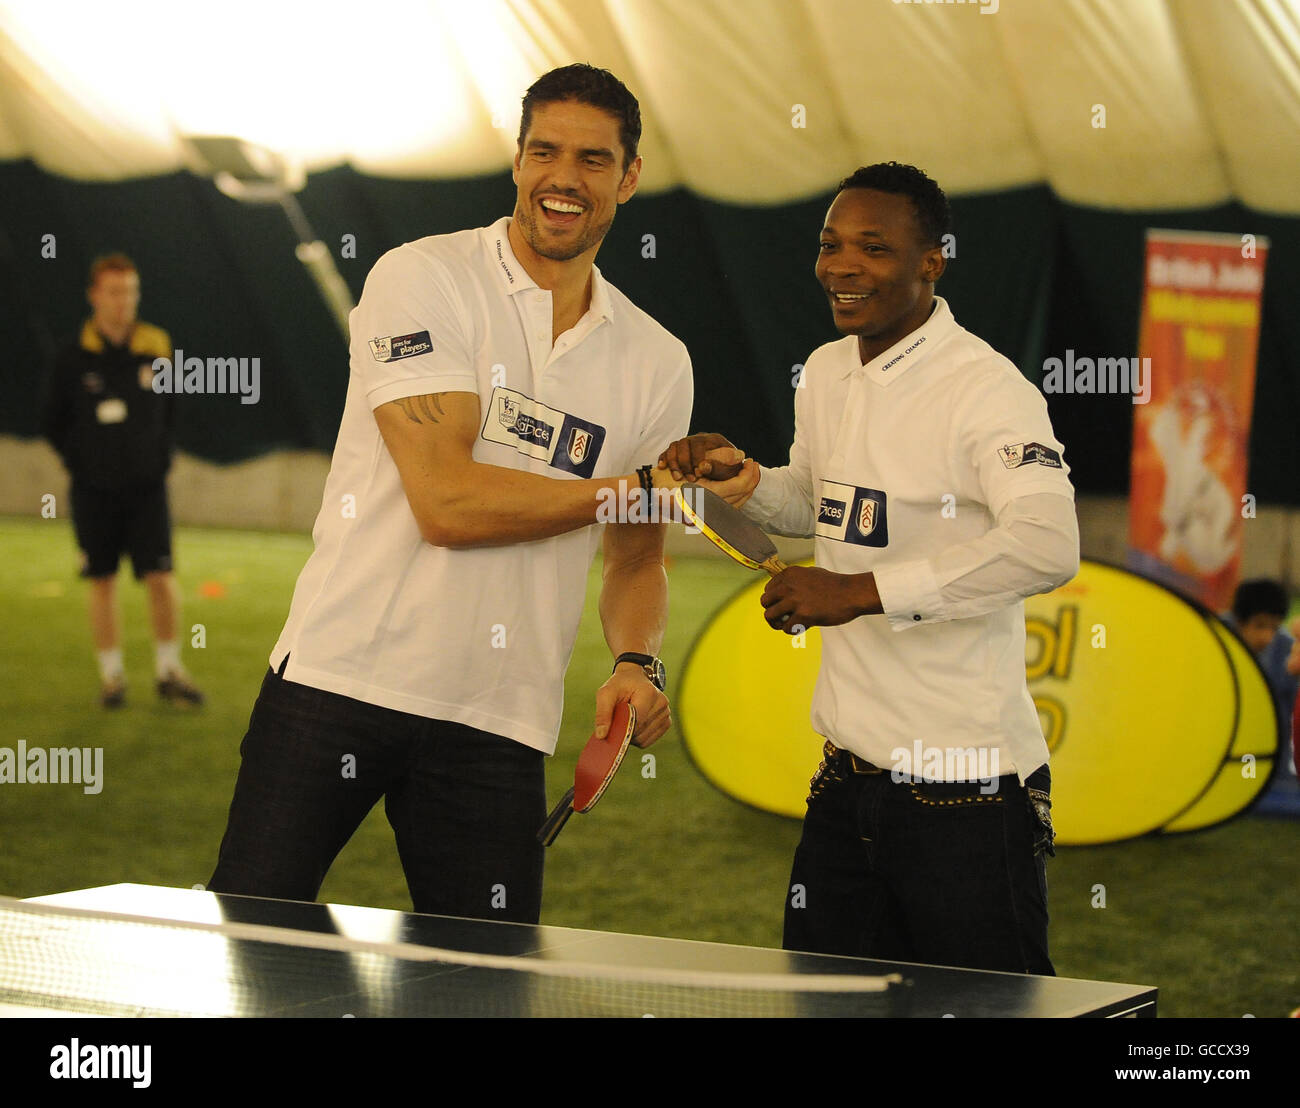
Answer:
(774, 565)
(556, 820)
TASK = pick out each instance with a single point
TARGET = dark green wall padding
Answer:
(1032, 275)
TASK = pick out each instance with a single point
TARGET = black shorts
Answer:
(113, 522)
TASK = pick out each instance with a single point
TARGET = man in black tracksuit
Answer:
(114, 434)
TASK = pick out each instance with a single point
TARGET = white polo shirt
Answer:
(479, 636)
(935, 467)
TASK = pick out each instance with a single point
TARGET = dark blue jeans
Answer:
(464, 805)
(930, 872)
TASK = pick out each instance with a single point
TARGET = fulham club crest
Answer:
(578, 445)
(867, 516)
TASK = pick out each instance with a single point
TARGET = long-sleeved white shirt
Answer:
(935, 468)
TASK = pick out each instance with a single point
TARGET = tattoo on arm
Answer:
(426, 406)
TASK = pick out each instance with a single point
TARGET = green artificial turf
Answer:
(1208, 917)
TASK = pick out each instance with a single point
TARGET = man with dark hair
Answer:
(114, 434)
(597, 88)
(1258, 609)
(929, 204)
(504, 397)
(926, 468)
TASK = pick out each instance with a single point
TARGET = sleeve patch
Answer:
(391, 348)
(1029, 453)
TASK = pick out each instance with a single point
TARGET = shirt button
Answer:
(916, 619)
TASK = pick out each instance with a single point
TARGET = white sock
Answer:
(110, 664)
(168, 658)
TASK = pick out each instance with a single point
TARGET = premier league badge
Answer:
(508, 413)
(1012, 456)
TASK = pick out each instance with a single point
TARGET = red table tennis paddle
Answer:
(597, 764)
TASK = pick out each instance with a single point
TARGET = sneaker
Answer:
(112, 694)
(176, 688)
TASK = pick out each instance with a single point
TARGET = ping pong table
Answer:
(130, 949)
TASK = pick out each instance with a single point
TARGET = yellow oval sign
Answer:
(1147, 703)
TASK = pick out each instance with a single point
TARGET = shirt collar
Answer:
(93, 341)
(512, 275)
(911, 349)
(601, 307)
(514, 278)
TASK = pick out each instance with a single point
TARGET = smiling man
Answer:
(925, 466)
(502, 395)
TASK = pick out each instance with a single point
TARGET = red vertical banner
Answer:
(1191, 432)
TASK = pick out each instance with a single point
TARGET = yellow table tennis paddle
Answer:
(727, 528)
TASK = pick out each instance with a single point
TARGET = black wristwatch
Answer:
(654, 668)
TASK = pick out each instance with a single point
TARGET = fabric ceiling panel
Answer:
(75, 106)
(929, 86)
(1156, 148)
(724, 81)
(1202, 97)
(1248, 53)
(415, 107)
(583, 29)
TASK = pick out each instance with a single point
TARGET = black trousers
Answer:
(464, 805)
(941, 873)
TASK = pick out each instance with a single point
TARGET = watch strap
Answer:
(647, 662)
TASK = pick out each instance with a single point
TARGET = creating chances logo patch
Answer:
(1015, 455)
(852, 514)
(561, 440)
(392, 347)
